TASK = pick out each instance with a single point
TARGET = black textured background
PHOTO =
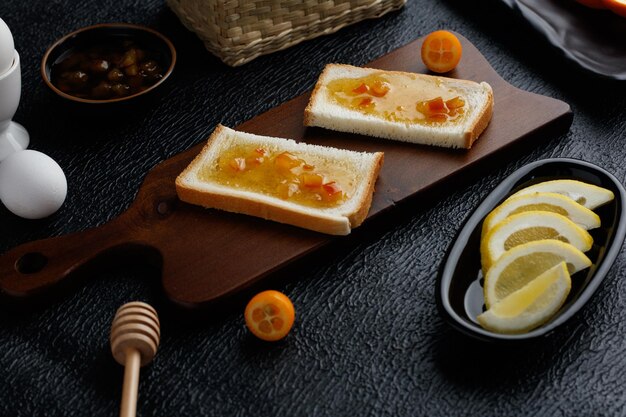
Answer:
(368, 339)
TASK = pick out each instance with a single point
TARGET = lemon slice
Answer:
(520, 265)
(556, 203)
(590, 196)
(530, 306)
(529, 226)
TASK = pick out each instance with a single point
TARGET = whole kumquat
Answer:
(441, 51)
(270, 315)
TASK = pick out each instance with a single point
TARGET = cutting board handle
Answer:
(35, 266)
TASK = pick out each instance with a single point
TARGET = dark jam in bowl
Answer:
(117, 69)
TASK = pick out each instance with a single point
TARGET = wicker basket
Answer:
(237, 31)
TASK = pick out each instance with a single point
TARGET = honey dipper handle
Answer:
(131, 383)
(32, 267)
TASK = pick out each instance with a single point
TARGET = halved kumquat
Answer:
(270, 315)
(441, 51)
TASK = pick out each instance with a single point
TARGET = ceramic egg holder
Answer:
(13, 136)
(32, 185)
(135, 336)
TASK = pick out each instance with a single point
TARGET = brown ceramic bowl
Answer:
(102, 34)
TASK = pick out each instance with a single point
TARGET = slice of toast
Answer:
(225, 176)
(396, 114)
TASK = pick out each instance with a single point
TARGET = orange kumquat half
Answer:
(270, 315)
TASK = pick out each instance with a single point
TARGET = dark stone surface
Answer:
(368, 339)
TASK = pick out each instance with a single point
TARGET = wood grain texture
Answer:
(207, 255)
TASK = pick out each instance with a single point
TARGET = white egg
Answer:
(32, 185)
(6, 47)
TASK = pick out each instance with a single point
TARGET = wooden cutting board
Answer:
(207, 255)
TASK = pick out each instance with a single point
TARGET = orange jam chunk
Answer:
(439, 111)
(332, 191)
(311, 180)
(286, 161)
(435, 105)
(283, 175)
(398, 97)
(365, 102)
(455, 103)
(380, 88)
(361, 89)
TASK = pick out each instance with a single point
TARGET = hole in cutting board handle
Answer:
(164, 208)
(31, 263)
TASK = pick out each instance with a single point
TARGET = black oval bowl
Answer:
(459, 289)
(102, 33)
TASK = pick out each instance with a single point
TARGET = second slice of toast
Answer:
(394, 116)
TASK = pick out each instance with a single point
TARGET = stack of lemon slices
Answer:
(530, 245)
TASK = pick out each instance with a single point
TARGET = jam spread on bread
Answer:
(283, 175)
(437, 110)
(399, 98)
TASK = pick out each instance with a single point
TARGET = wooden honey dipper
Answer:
(135, 335)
